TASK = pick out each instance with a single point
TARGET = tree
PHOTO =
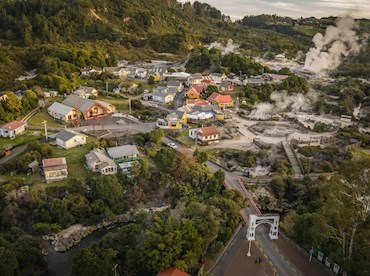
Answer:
(201, 156)
(93, 261)
(8, 260)
(156, 135)
(278, 187)
(108, 189)
(151, 80)
(165, 158)
(12, 104)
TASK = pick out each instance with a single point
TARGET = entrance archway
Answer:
(255, 220)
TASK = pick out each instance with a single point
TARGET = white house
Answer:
(117, 71)
(175, 86)
(163, 97)
(69, 139)
(125, 156)
(141, 73)
(217, 77)
(12, 129)
(195, 79)
(205, 135)
(98, 161)
(161, 89)
(62, 112)
(86, 92)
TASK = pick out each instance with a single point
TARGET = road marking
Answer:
(282, 256)
(270, 263)
(257, 242)
(264, 254)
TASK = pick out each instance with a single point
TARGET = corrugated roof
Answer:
(13, 125)
(126, 150)
(99, 155)
(172, 272)
(60, 108)
(66, 135)
(52, 164)
(210, 130)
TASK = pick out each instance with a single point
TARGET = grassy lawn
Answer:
(360, 153)
(308, 30)
(76, 159)
(27, 136)
(120, 104)
(37, 119)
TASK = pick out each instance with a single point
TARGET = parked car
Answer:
(172, 145)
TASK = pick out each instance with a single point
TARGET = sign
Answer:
(311, 251)
(320, 256)
(327, 262)
(336, 268)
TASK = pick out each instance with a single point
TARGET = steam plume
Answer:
(229, 48)
(282, 101)
(338, 42)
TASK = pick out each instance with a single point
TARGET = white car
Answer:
(172, 145)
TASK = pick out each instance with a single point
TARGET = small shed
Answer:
(34, 166)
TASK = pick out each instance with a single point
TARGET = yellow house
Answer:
(173, 121)
(193, 94)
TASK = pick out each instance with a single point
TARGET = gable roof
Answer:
(196, 76)
(99, 155)
(192, 90)
(60, 108)
(52, 164)
(66, 135)
(83, 105)
(12, 125)
(213, 96)
(172, 272)
(221, 99)
(126, 150)
(87, 89)
(173, 83)
(210, 130)
(198, 88)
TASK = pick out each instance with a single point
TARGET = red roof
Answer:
(54, 164)
(192, 90)
(13, 125)
(198, 88)
(196, 102)
(213, 96)
(210, 130)
(223, 99)
(172, 272)
(207, 81)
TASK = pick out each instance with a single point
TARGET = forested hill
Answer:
(32, 30)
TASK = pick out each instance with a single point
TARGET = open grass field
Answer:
(120, 104)
(25, 137)
(39, 117)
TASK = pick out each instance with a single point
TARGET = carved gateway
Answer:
(255, 220)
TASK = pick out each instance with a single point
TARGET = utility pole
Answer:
(115, 270)
(46, 130)
(129, 105)
(106, 86)
(249, 248)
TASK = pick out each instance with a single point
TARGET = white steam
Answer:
(338, 42)
(282, 101)
(229, 48)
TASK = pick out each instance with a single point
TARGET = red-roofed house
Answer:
(12, 129)
(227, 87)
(198, 88)
(205, 135)
(172, 272)
(205, 83)
(195, 102)
(221, 100)
(192, 94)
(55, 169)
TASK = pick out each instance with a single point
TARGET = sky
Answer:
(237, 9)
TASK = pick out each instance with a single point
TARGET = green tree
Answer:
(156, 135)
(200, 156)
(108, 189)
(165, 158)
(8, 259)
(12, 103)
(93, 261)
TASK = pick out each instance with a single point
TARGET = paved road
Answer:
(262, 237)
(179, 99)
(14, 153)
(141, 127)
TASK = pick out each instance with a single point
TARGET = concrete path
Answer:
(292, 159)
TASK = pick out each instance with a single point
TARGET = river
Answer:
(60, 263)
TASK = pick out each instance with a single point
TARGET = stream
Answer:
(60, 263)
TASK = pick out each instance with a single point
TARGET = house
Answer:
(280, 57)
(275, 78)
(141, 73)
(86, 92)
(55, 169)
(69, 139)
(227, 87)
(195, 78)
(117, 71)
(90, 109)
(173, 121)
(180, 76)
(157, 72)
(63, 113)
(46, 94)
(34, 166)
(221, 100)
(192, 94)
(161, 89)
(3, 97)
(205, 83)
(205, 135)
(127, 87)
(175, 86)
(125, 156)
(198, 88)
(12, 129)
(122, 63)
(163, 97)
(89, 71)
(98, 161)
(172, 272)
(195, 102)
(217, 77)
(53, 93)
(255, 81)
